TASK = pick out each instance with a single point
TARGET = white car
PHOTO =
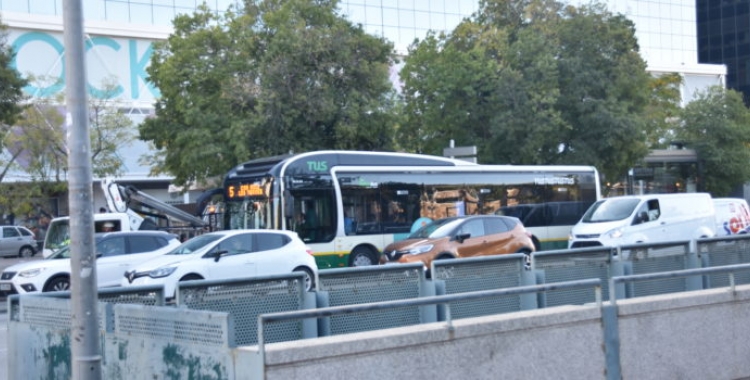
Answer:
(116, 253)
(227, 255)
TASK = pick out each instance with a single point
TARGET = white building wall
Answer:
(120, 34)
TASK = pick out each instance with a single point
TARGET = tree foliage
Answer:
(717, 125)
(275, 77)
(11, 82)
(38, 145)
(531, 82)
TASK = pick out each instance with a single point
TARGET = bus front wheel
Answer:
(362, 256)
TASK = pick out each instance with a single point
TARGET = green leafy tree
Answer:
(38, 143)
(11, 107)
(11, 99)
(717, 125)
(531, 82)
(275, 77)
(11, 90)
(663, 110)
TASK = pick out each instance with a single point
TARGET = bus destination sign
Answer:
(243, 190)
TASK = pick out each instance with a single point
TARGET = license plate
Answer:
(4, 286)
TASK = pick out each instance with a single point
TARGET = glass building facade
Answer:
(724, 38)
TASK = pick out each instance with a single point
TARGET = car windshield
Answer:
(609, 210)
(195, 244)
(436, 229)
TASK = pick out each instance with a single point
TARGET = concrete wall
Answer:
(691, 335)
(694, 335)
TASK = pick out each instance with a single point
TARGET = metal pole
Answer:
(85, 346)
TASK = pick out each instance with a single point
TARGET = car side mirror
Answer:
(642, 217)
(216, 255)
(461, 237)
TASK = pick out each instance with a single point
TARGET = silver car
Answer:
(17, 241)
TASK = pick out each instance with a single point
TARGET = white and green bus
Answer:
(348, 205)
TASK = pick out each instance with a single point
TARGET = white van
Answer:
(645, 219)
(732, 216)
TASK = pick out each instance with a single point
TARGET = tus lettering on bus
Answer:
(317, 166)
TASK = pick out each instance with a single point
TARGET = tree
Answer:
(11, 90)
(717, 125)
(38, 144)
(663, 110)
(279, 76)
(11, 99)
(532, 82)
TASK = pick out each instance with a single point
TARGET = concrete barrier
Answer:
(691, 335)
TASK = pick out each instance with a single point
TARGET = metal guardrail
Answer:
(434, 300)
(729, 269)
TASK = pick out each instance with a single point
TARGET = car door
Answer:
(499, 238)
(476, 243)
(237, 260)
(111, 258)
(11, 241)
(272, 256)
(141, 248)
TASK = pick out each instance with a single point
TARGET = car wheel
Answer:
(26, 252)
(362, 256)
(309, 277)
(57, 284)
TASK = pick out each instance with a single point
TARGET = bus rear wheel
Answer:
(362, 256)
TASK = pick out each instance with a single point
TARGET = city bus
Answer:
(348, 205)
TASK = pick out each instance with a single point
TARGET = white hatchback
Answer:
(227, 255)
(116, 252)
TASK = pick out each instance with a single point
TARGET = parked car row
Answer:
(157, 257)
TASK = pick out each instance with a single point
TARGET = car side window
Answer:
(495, 226)
(268, 241)
(25, 232)
(9, 232)
(111, 247)
(474, 227)
(237, 244)
(139, 244)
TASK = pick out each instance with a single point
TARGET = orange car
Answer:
(456, 237)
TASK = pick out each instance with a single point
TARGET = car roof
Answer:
(466, 217)
(101, 235)
(238, 232)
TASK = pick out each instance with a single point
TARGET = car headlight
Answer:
(162, 272)
(614, 234)
(418, 250)
(30, 272)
